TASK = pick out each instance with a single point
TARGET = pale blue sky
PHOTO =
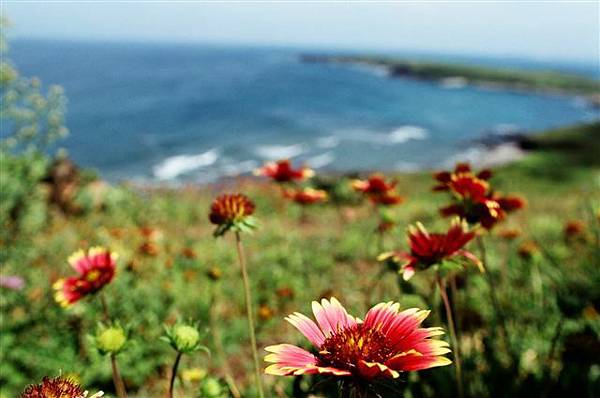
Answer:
(566, 30)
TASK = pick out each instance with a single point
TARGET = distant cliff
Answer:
(457, 75)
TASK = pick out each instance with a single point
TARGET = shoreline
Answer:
(540, 82)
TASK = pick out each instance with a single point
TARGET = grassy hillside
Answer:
(547, 285)
(509, 78)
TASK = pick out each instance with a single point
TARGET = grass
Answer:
(165, 277)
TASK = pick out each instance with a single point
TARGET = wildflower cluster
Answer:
(379, 191)
(473, 199)
(283, 173)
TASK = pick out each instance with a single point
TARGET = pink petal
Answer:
(289, 355)
(331, 316)
(307, 327)
(412, 361)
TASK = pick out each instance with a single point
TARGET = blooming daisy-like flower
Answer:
(427, 249)
(232, 211)
(473, 198)
(95, 269)
(487, 211)
(378, 190)
(376, 184)
(57, 387)
(282, 171)
(306, 196)
(463, 182)
(386, 343)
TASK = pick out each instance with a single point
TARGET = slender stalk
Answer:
(498, 314)
(116, 375)
(104, 307)
(235, 392)
(174, 373)
(457, 361)
(457, 307)
(557, 332)
(119, 385)
(249, 313)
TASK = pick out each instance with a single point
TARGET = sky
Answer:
(568, 31)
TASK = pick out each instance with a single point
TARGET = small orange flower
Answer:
(285, 292)
(188, 252)
(527, 250)
(232, 211)
(282, 171)
(509, 234)
(265, 312)
(149, 248)
(306, 196)
(574, 229)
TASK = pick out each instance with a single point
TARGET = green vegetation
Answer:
(547, 81)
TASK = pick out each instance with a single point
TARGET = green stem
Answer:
(498, 314)
(249, 313)
(174, 373)
(235, 392)
(116, 375)
(457, 362)
(117, 380)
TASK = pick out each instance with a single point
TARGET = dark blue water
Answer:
(195, 112)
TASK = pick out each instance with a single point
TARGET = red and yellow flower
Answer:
(306, 196)
(95, 269)
(427, 249)
(378, 190)
(473, 198)
(57, 387)
(282, 171)
(232, 211)
(386, 343)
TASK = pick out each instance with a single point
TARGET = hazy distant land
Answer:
(457, 75)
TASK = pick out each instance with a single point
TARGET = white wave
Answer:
(174, 166)
(327, 142)
(453, 83)
(321, 160)
(398, 136)
(234, 169)
(275, 152)
(407, 133)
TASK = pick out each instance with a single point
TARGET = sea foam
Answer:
(274, 152)
(174, 166)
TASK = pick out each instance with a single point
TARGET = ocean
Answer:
(173, 113)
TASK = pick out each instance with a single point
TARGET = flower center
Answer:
(346, 347)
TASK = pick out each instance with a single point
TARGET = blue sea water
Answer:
(177, 112)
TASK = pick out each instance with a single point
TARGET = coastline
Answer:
(460, 75)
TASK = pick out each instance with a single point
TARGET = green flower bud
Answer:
(110, 339)
(211, 388)
(185, 337)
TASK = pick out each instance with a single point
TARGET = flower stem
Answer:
(249, 313)
(457, 366)
(116, 375)
(104, 307)
(174, 373)
(499, 315)
(117, 380)
(235, 392)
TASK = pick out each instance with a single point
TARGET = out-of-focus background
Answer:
(163, 105)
